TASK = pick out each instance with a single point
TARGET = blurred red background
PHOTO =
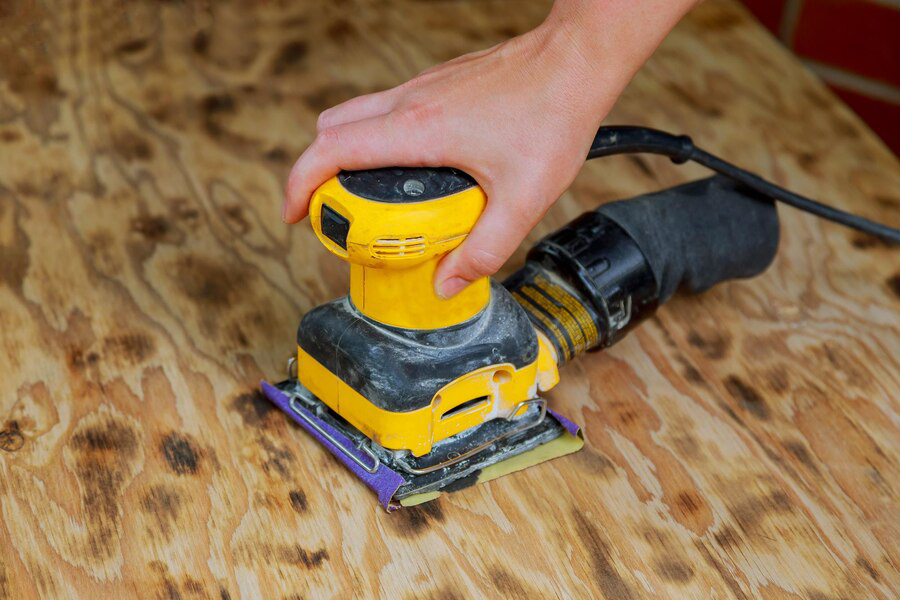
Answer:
(853, 45)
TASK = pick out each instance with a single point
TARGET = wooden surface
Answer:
(741, 444)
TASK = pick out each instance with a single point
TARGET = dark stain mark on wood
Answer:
(595, 462)
(673, 569)
(341, 31)
(278, 154)
(238, 336)
(869, 569)
(778, 381)
(14, 259)
(131, 146)
(11, 438)
(690, 448)
(207, 282)
(799, 451)
(163, 504)
(277, 460)
(298, 501)
(747, 396)
(625, 414)
(731, 413)
(330, 95)
(253, 408)
(807, 161)
(727, 537)
(689, 502)
(224, 594)
(10, 135)
(200, 42)
(132, 46)
(216, 104)
(507, 585)
(866, 242)
(817, 595)
(194, 587)
(132, 347)
(213, 107)
(290, 57)
(78, 359)
(750, 512)
(183, 211)
(416, 519)
(693, 375)
(112, 436)
(167, 588)
(714, 346)
(180, 454)
(102, 452)
(893, 283)
(36, 80)
(608, 579)
(507, 31)
(235, 214)
(4, 583)
(296, 555)
(887, 201)
(153, 228)
(444, 593)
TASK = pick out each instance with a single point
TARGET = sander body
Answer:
(420, 395)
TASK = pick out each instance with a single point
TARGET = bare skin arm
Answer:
(519, 117)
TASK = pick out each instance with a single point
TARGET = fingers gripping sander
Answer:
(417, 394)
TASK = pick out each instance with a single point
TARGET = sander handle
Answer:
(587, 284)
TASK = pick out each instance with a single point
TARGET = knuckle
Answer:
(323, 120)
(330, 136)
(482, 261)
(418, 113)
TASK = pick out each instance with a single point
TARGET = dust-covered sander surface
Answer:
(419, 395)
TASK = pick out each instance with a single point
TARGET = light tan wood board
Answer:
(741, 444)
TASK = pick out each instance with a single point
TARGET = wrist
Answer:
(603, 43)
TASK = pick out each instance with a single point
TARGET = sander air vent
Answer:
(398, 247)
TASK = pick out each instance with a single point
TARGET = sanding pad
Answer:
(551, 437)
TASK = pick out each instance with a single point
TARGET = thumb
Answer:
(491, 242)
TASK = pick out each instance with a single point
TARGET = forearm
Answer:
(601, 44)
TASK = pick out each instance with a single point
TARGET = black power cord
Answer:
(623, 139)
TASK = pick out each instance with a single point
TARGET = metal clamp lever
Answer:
(452, 461)
(300, 412)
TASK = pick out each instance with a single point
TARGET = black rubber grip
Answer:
(698, 234)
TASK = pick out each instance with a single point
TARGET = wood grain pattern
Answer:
(742, 444)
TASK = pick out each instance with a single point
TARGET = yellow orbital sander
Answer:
(419, 395)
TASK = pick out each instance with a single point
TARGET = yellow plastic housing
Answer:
(394, 249)
(469, 400)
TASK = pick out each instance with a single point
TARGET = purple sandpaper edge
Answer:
(571, 427)
(384, 482)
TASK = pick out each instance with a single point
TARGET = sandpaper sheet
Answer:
(385, 481)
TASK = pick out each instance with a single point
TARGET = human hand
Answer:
(519, 117)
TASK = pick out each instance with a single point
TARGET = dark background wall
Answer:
(854, 45)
